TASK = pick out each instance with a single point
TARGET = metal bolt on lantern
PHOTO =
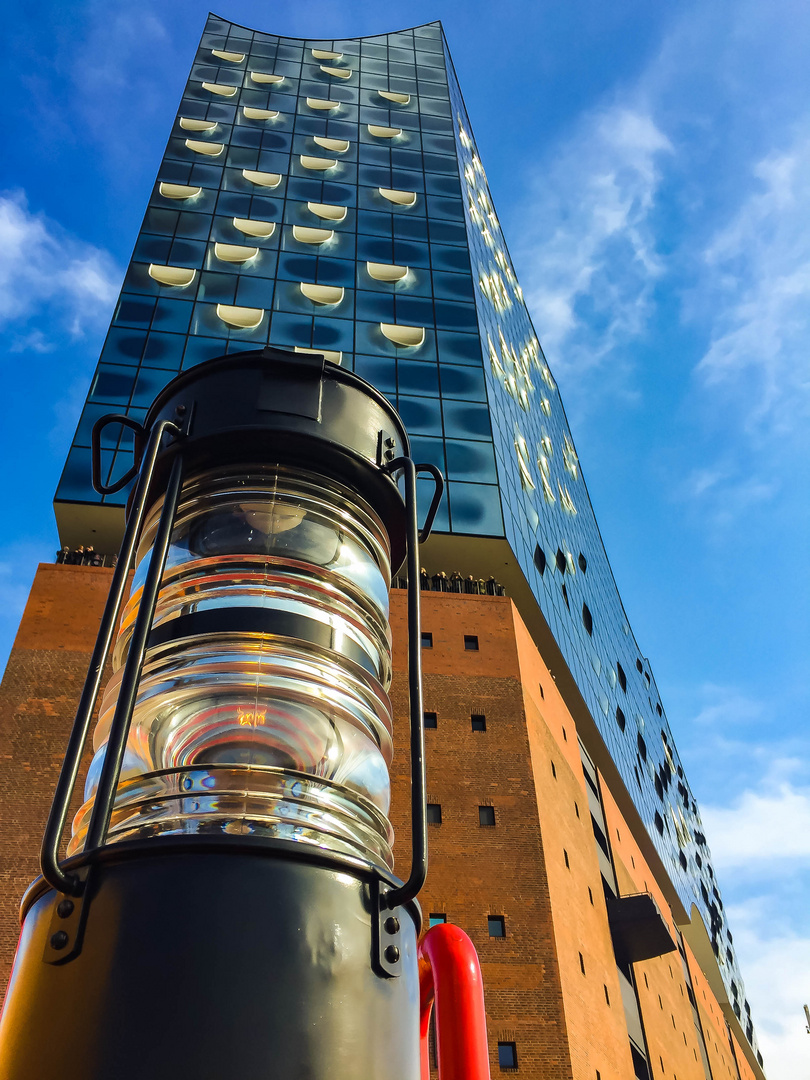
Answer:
(228, 905)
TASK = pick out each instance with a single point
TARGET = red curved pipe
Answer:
(450, 976)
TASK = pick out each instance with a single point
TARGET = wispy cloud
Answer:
(775, 965)
(590, 262)
(757, 282)
(765, 826)
(47, 274)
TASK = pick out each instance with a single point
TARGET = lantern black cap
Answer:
(294, 409)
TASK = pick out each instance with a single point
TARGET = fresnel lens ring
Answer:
(228, 904)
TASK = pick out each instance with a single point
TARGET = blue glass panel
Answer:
(75, 485)
(113, 384)
(422, 416)
(217, 288)
(202, 348)
(134, 311)
(150, 381)
(451, 316)
(173, 315)
(466, 419)
(453, 287)
(475, 508)
(290, 330)
(424, 494)
(379, 371)
(470, 461)
(447, 258)
(150, 248)
(417, 377)
(164, 350)
(463, 382)
(254, 292)
(123, 346)
(333, 333)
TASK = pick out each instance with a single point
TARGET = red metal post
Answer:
(450, 979)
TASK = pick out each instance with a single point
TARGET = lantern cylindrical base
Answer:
(209, 963)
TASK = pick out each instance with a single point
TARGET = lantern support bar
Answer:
(70, 884)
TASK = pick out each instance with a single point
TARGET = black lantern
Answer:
(228, 906)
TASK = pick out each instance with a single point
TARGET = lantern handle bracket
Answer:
(95, 442)
(401, 894)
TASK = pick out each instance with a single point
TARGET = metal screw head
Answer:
(179, 409)
(392, 925)
(391, 954)
(65, 909)
(59, 940)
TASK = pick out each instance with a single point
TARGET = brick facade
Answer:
(551, 981)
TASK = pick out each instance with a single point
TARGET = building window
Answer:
(640, 666)
(434, 813)
(565, 856)
(587, 619)
(486, 815)
(431, 720)
(496, 924)
(607, 996)
(560, 559)
(659, 823)
(622, 676)
(583, 562)
(436, 917)
(478, 722)
(427, 641)
(540, 559)
(565, 597)
(642, 747)
(471, 642)
(507, 1055)
(582, 963)
(553, 770)
(620, 718)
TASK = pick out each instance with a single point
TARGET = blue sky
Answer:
(650, 164)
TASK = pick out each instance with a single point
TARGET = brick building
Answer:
(328, 197)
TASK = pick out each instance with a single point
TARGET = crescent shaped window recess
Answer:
(231, 57)
(235, 253)
(220, 88)
(263, 179)
(392, 95)
(337, 146)
(322, 294)
(383, 132)
(409, 336)
(336, 73)
(243, 318)
(265, 77)
(322, 104)
(188, 123)
(211, 149)
(324, 54)
(178, 276)
(178, 191)
(386, 271)
(329, 213)
(304, 235)
(401, 198)
(320, 164)
(259, 114)
(327, 354)
(254, 228)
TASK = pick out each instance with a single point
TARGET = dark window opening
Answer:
(659, 788)
(601, 839)
(434, 813)
(565, 856)
(640, 666)
(431, 720)
(659, 710)
(590, 895)
(607, 996)
(435, 918)
(620, 718)
(507, 1055)
(553, 770)
(560, 561)
(587, 619)
(496, 924)
(565, 597)
(540, 559)
(427, 641)
(542, 693)
(682, 859)
(635, 770)
(565, 737)
(659, 823)
(478, 722)
(486, 815)
(583, 562)
(576, 808)
(622, 676)
(471, 643)
(582, 963)
(642, 747)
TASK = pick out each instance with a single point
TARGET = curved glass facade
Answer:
(329, 196)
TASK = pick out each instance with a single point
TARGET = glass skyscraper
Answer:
(327, 196)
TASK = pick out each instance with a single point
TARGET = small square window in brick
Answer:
(434, 813)
(486, 815)
(471, 642)
(507, 1055)
(496, 924)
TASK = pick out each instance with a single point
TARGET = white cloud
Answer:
(777, 986)
(771, 825)
(591, 244)
(757, 281)
(50, 276)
